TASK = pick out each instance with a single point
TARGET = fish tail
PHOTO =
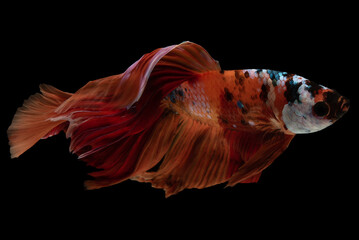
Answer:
(33, 122)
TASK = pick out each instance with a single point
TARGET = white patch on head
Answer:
(298, 116)
(297, 78)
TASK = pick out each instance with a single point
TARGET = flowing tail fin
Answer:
(32, 121)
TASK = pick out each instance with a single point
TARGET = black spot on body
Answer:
(180, 92)
(228, 95)
(246, 74)
(236, 74)
(291, 94)
(313, 87)
(264, 93)
(239, 79)
(245, 109)
(225, 121)
(172, 96)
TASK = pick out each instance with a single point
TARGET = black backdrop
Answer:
(67, 50)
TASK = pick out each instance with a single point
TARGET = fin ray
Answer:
(270, 148)
(123, 90)
(33, 121)
(202, 156)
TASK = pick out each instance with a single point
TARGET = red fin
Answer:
(133, 155)
(167, 65)
(252, 179)
(268, 147)
(116, 122)
(33, 121)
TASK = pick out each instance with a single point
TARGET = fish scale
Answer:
(225, 98)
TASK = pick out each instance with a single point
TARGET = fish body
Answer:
(177, 120)
(238, 99)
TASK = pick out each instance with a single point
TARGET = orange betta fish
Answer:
(178, 121)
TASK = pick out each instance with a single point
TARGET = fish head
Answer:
(313, 108)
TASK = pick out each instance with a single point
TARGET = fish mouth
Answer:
(344, 107)
(339, 104)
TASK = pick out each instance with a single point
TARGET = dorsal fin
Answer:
(123, 90)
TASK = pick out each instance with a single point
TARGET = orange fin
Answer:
(118, 125)
(201, 156)
(33, 121)
(197, 158)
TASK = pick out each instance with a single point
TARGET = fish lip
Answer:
(345, 105)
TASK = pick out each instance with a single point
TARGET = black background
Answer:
(315, 178)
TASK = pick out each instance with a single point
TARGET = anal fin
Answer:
(202, 156)
(253, 179)
(197, 158)
(271, 145)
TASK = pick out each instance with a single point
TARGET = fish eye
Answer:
(321, 109)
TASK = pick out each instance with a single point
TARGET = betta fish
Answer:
(175, 119)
